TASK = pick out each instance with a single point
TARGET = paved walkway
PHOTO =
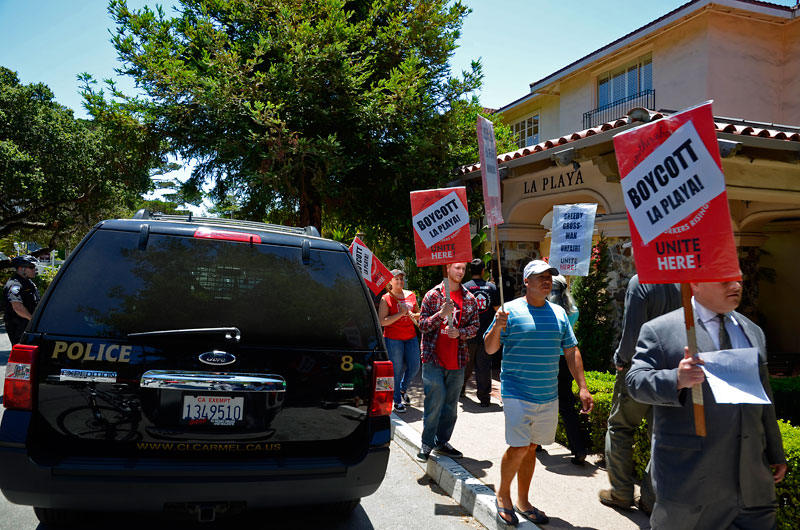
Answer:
(566, 492)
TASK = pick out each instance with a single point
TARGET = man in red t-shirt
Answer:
(444, 356)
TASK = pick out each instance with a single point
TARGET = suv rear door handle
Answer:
(212, 382)
(230, 334)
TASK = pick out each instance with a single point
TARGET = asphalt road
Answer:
(407, 498)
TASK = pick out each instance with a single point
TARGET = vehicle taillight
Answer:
(18, 387)
(227, 235)
(383, 389)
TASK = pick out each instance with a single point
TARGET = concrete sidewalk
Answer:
(566, 492)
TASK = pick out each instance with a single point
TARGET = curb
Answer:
(474, 496)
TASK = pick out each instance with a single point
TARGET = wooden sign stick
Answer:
(691, 338)
(447, 293)
(499, 268)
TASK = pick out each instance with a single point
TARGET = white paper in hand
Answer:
(733, 376)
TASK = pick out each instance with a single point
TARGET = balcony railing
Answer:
(619, 108)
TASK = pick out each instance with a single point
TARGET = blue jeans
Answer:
(404, 355)
(442, 389)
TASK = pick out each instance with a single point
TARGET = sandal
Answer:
(513, 522)
(534, 516)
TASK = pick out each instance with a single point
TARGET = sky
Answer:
(517, 41)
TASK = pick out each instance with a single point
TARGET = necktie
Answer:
(724, 338)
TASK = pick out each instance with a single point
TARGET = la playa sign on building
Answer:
(547, 183)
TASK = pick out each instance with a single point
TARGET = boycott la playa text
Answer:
(660, 176)
(440, 214)
(361, 259)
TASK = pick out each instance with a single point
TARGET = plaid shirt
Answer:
(430, 323)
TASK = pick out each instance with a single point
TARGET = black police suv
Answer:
(200, 367)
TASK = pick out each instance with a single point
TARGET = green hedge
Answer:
(786, 392)
(601, 385)
(788, 490)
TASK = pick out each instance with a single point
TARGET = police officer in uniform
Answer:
(20, 297)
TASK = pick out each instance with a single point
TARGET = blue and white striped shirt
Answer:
(533, 341)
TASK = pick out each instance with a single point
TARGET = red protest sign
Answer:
(674, 191)
(491, 179)
(375, 273)
(441, 226)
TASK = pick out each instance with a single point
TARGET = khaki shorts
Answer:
(530, 423)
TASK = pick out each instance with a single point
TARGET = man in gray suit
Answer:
(643, 302)
(726, 479)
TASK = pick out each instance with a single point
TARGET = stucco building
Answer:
(742, 54)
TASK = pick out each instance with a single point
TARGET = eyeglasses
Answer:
(30, 266)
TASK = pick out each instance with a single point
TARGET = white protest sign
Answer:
(363, 258)
(441, 219)
(571, 243)
(487, 151)
(733, 376)
(676, 179)
(488, 157)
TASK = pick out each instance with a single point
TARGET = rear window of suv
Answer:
(111, 288)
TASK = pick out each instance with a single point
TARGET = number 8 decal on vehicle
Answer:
(347, 363)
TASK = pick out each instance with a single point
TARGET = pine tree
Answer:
(595, 326)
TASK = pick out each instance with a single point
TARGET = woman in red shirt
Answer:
(398, 313)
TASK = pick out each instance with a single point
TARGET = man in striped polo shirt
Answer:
(533, 332)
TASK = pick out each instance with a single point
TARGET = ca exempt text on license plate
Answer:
(214, 410)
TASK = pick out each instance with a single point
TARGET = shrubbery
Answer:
(595, 328)
(788, 490)
(786, 392)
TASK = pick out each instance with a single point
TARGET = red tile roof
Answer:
(744, 130)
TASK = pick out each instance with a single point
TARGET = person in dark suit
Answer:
(643, 302)
(727, 478)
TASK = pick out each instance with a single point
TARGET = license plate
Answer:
(214, 410)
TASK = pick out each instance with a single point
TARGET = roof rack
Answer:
(218, 221)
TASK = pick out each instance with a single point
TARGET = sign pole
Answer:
(691, 338)
(499, 268)
(447, 293)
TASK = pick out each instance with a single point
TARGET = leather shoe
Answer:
(609, 499)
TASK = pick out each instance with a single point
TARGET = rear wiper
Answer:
(230, 334)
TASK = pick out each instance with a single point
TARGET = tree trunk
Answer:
(310, 205)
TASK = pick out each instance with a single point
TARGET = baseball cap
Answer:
(397, 272)
(538, 266)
